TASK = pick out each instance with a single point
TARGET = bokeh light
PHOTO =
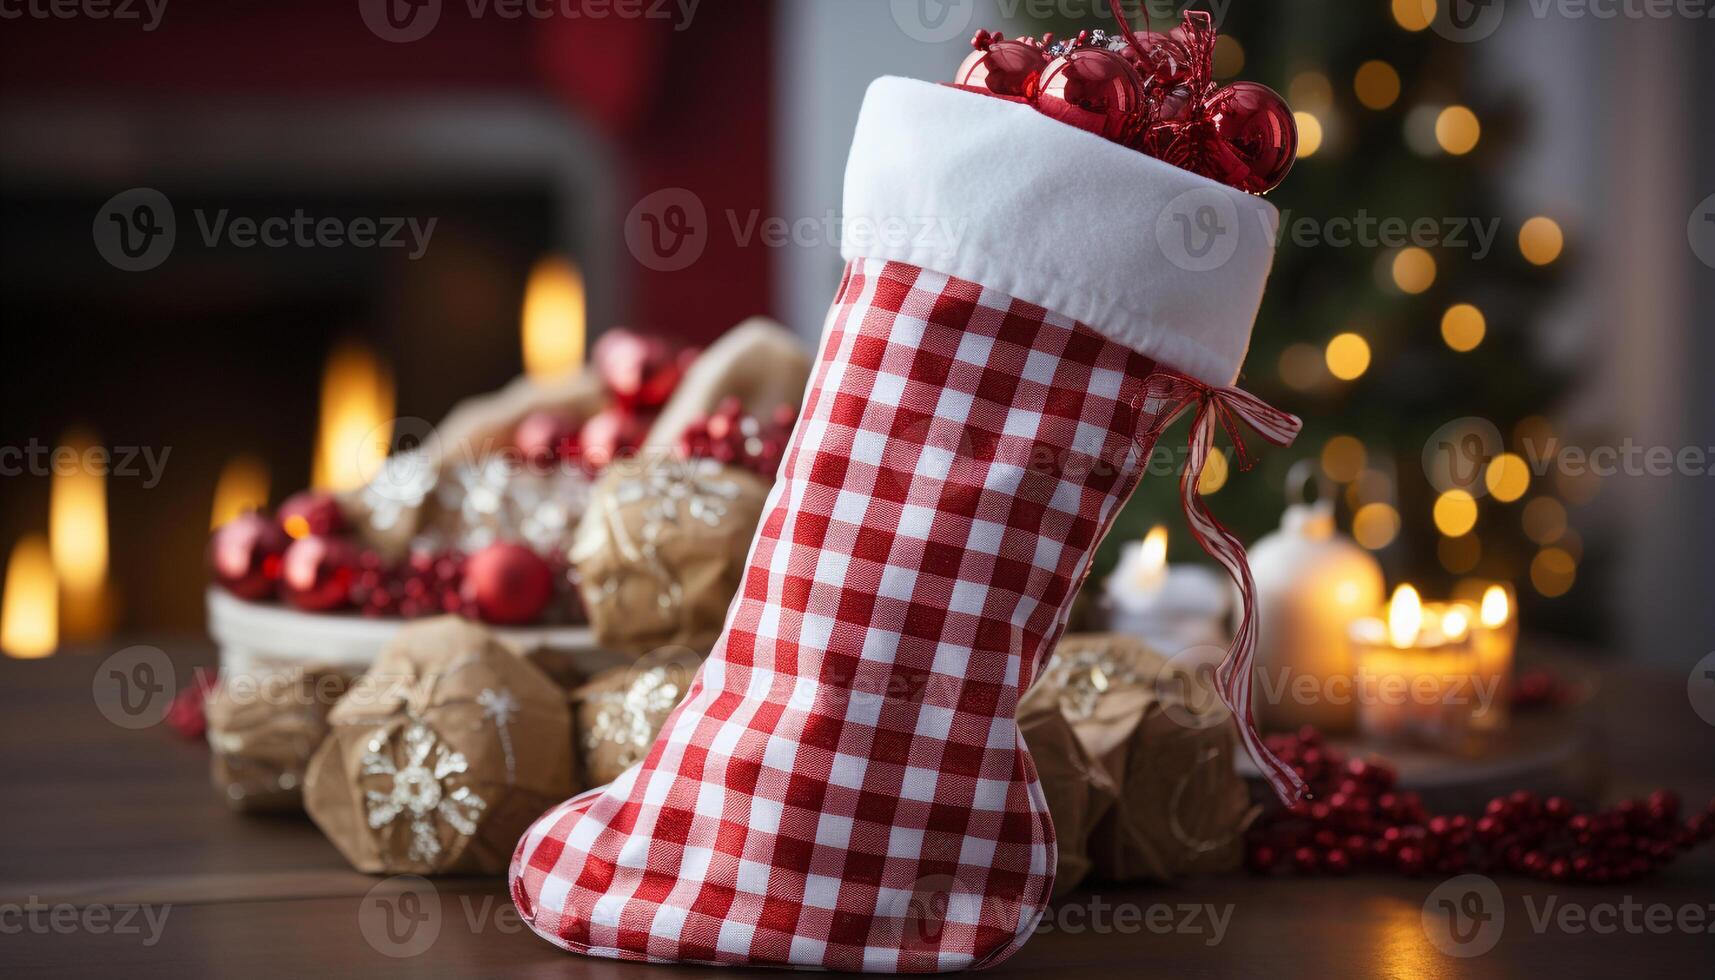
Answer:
(1463, 327)
(1229, 56)
(1459, 555)
(1348, 356)
(1310, 90)
(1309, 133)
(1413, 15)
(1343, 458)
(1455, 513)
(1413, 269)
(1376, 84)
(1302, 367)
(1540, 240)
(1507, 477)
(1375, 526)
(1553, 571)
(1457, 130)
(1214, 475)
(1544, 520)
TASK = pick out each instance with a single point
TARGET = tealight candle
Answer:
(1417, 672)
(1172, 608)
(1496, 637)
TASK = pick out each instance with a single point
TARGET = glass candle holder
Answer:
(1417, 673)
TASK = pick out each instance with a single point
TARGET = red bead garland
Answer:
(1357, 819)
(730, 436)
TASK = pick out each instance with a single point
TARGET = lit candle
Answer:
(1172, 608)
(1496, 637)
(77, 537)
(553, 321)
(1417, 672)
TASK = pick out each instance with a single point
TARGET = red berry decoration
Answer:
(1009, 69)
(1095, 90)
(310, 512)
(508, 584)
(317, 573)
(545, 436)
(730, 436)
(1364, 823)
(244, 555)
(185, 715)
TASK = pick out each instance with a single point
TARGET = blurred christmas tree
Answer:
(1399, 318)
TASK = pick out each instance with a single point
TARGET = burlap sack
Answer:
(619, 712)
(759, 362)
(661, 550)
(1163, 737)
(263, 728)
(441, 755)
(1079, 791)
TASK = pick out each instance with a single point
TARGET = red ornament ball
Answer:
(1010, 69)
(611, 433)
(1093, 89)
(317, 573)
(639, 369)
(311, 512)
(244, 555)
(1251, 140)
(545, 436)
(508, 584)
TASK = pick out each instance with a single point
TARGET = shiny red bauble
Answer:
(245, 553)
(317, 573)
(611, 433)
(1011, 69)
(508, 584)
(1095, 90)
(311, 512)
(544, 436)
(1251, 137)
(639, 370)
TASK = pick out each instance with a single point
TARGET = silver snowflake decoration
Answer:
(423, 790)
(496, 499)
(400, 487)
(632, 717)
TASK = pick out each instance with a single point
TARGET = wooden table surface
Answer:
(102, 827)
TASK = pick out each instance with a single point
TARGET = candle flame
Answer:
(1153, 557)
(29, 612)
(77, 517)
(1404, 616)
(553, 319)
(357, 419)
(1455, 623)
(1497, 608)
(243, 486)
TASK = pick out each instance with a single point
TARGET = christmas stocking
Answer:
(844, 785)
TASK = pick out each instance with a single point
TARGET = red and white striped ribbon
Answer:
(1173, 392)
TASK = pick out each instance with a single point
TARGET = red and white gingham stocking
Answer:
(845, 785)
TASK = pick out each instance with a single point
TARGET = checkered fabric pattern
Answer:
(845, 785)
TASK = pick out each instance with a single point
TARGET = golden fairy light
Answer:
(243, 486)
(553, 322)
(1214, 475)
(1309, 133)
(1414, 15)
(1457, 130)
(1376, 84)
(1463, 327)
(1343, 458)
(1348, 356)
(1375, 525)
(1413, 269)
(29, 611)
(77, 534)
(356, 418)
(1507, 477)
(1540, 240)
(1553, 571)
(1301, 366)
(1229, 57)
(1455, 513)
